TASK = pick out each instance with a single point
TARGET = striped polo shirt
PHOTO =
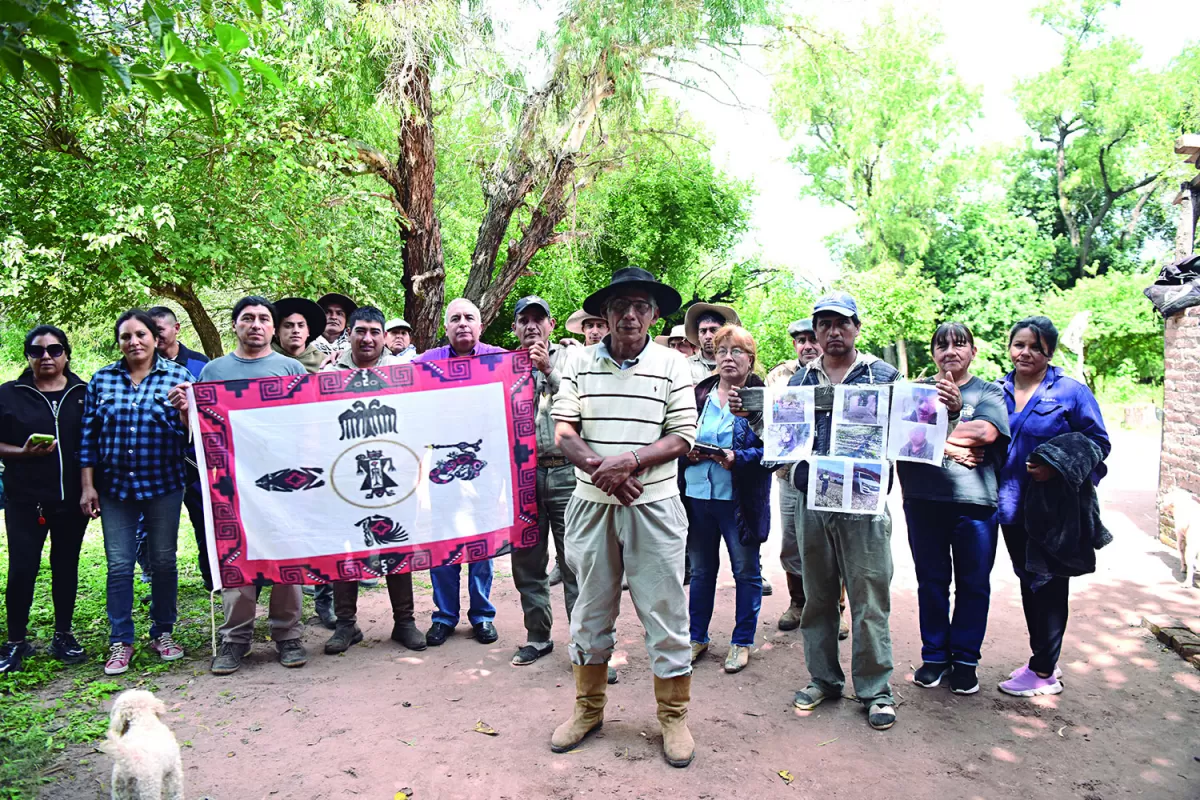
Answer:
(621, 407)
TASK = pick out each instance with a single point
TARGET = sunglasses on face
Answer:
(37, 350)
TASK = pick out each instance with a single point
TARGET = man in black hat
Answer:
(335, 337)
(533, 325)
(625, 413)
(300, 324)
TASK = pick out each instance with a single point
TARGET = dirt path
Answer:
(379, 719)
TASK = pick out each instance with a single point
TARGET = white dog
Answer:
(146, 764)
(1186, 511)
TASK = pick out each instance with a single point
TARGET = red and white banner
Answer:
(363, 473)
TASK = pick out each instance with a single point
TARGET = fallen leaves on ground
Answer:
(484, 728)
(787, 776)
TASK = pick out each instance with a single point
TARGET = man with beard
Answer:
(368, 349)
(836, 547)
(463, 326)
(254, 325)
(335, 336)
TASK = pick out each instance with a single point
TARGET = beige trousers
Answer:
(647, 543)
(241, 605)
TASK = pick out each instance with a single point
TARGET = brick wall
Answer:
(1180, 459)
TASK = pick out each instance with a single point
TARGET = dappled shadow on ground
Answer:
(379, 719)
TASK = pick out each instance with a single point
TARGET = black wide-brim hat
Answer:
(313, 314)
(345, 302)
(634, 278)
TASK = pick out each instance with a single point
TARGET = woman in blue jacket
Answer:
(729, 497)
(1042, 403)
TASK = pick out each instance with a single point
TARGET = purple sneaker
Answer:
(1027, 683)
(1025, 666)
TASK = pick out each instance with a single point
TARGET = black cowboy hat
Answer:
(634, 278)
(345, 302)
(312, 313)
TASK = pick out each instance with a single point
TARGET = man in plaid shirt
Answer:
(131, 456)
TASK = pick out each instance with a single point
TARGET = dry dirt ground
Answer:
(380, 719)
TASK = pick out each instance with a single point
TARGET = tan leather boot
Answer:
(791, 618)
(591, 681)
(673, 695)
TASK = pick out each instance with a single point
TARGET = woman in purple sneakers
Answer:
(1043, 403)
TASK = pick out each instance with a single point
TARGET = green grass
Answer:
(49, 706)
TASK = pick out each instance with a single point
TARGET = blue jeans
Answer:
(710, 522)
(952, 540)
(446, 583)
(119, 518)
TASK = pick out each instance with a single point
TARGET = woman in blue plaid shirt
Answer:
(132, 459)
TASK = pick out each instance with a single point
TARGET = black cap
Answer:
(531, 300)
(634, 278)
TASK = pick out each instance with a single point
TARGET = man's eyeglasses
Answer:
(736, 352)
(37, 350)
(620, 306)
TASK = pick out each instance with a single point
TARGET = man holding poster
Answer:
(837, 546)
(626, 412)
(368, 350)
(254, 325)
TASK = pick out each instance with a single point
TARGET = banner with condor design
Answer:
(363, 473)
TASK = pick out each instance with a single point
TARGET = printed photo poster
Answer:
(788, 424)
(918, 424)
(847, 485)
(860, 422)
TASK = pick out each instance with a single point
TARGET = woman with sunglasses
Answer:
(41, 415)
(729, 498)
(132, 464)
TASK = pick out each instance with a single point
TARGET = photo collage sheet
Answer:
(918, 424)
(788, 424)
(852, 479)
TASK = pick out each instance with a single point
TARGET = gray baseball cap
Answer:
(800, 326)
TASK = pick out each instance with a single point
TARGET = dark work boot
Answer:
(404, 628)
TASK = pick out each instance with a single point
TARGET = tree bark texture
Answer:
(424, 273)
(185, 295)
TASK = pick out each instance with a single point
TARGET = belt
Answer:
(550, 462)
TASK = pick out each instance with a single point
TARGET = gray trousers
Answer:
(789, 547)
(241, 605)
(857, 549)
(647, 543)
(555, 485)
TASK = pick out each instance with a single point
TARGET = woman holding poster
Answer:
(729, 496)
(950, 509)
(1042, 404)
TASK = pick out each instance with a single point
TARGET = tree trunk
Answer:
(1060, 168)
(902, 357)
(185, 295)
(485, 287)
(424, 274)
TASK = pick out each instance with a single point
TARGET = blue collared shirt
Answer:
(602, 349)
(132, 436)
(708, 480)
(1059, 405)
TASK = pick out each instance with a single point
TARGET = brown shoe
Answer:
(591, 681)
(790, 620)
(673, 695)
